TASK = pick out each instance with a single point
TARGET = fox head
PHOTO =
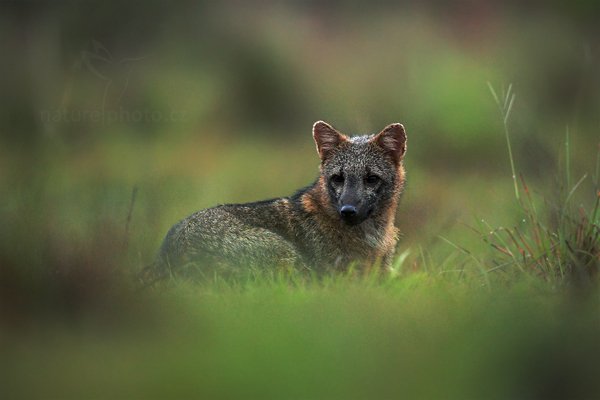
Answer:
(361, 176)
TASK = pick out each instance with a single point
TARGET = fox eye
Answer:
(372, 179)
(337, 178)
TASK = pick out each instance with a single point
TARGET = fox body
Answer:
(346, 215)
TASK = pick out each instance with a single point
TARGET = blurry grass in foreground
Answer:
(288, 336)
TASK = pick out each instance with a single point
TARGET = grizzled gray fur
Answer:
(346, 215)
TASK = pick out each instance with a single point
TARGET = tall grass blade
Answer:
(574, 189)
(505, 110)
(567, 158)
(494, 95)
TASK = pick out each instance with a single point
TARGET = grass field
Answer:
(494, 290)
(492, 313)
(419, 337)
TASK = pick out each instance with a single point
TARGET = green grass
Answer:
(287, 337)
(555, 241)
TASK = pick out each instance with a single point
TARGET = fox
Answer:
(345, 217)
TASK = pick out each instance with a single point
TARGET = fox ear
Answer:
(392, 139)
(326, 138)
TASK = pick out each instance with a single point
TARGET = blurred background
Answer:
(201, 103)
(120, 118)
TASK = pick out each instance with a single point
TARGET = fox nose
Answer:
(348, 211)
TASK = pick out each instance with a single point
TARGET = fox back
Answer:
(346, 216)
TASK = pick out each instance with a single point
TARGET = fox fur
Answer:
(346, 216)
